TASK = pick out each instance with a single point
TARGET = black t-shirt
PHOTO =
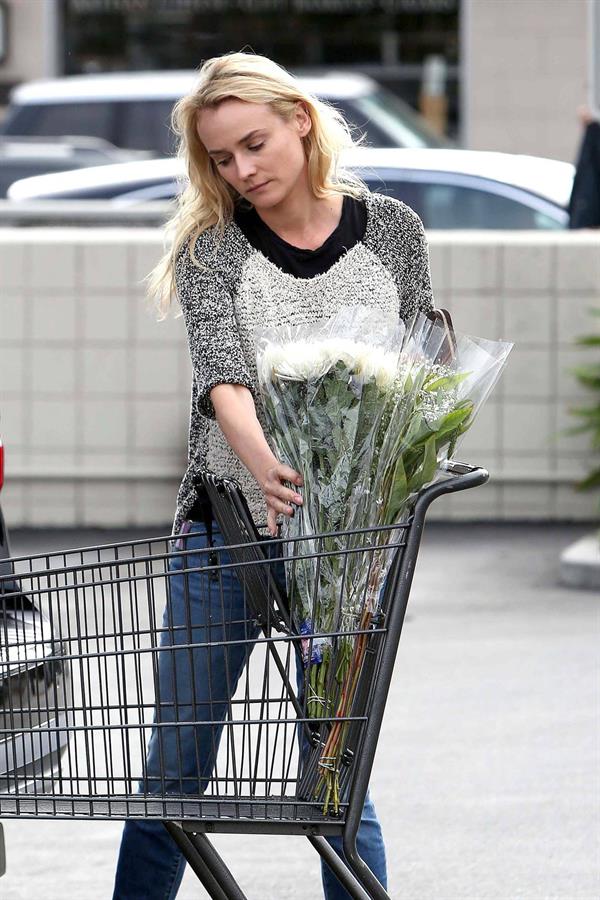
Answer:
(305, 263)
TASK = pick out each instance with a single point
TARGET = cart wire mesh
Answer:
(112, 708)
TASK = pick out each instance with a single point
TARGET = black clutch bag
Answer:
(252, 555)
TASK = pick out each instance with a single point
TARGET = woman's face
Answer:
(256, 151)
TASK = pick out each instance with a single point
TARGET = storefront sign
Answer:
(308, 6)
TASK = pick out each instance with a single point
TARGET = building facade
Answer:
(525, 70)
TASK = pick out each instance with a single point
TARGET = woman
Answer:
(269, 230)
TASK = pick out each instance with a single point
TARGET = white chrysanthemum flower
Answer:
(380, 366)
(301, 359)
(343, 350)
(307, 359)
(298, 359)
(304, 360)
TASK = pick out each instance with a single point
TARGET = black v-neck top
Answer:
(295, 260)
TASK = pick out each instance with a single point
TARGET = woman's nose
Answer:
(246, 167)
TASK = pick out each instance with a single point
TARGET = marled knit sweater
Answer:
(241, 291)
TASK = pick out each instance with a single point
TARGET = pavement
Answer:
(487, 777)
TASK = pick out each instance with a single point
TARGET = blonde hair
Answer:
(208, 200)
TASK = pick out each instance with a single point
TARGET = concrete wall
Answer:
(94, 393)
(536, 290)
(525, 74)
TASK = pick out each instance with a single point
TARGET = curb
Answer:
(580, 563)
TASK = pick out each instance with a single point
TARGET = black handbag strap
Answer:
(447, 351)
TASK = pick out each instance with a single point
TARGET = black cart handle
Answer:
(462, 476)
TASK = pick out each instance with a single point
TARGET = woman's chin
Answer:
(266, 202)
(268, 197)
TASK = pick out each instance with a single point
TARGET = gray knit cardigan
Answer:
(239, 290)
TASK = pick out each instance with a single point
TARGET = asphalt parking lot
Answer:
(487, 778)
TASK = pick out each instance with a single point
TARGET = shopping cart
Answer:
(263, 759)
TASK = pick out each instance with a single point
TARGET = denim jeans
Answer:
(197, 685)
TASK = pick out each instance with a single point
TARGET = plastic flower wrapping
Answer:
(366, 408)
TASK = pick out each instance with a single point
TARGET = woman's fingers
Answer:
(279, 498)
(280, 506)
(284, 494)
(289, 474)
(275, 488)
(272, 522)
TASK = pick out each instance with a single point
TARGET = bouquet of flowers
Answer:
(366, 408)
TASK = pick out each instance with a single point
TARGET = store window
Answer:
(392, 40)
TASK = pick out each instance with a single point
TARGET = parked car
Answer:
(34, 684)
(448, 188)
(24, 157)
(132, 110)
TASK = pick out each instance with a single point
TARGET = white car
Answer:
(35, 681)
(24, 157)
(132, 110)
(467, 189)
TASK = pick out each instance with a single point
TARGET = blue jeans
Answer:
(199, 685)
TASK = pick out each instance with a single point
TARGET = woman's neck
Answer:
(304, 220)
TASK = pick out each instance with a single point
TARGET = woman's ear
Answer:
(303, 119)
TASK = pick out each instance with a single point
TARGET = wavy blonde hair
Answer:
(207, 199)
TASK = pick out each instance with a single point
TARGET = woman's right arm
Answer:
(236, 414)
(224, 384)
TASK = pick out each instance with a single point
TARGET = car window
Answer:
(359, 121)
(145, 125)
(461, 206)
(56, 119)
(394, 118)
(387, 121)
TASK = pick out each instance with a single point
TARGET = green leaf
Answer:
(590, 482)
(458, 418)
(586, 412)
(577, 429)
(427, 468)
(446, 381)
(399, 487)
(591, 370)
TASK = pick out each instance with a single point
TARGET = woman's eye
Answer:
(224, 162)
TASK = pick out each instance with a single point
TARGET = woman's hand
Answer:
(278, 497)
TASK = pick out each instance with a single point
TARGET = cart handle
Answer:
(462, 476)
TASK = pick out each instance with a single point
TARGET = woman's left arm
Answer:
(417, 293)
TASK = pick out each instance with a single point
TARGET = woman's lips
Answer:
(258, 187)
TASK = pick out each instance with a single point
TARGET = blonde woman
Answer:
(270, 229)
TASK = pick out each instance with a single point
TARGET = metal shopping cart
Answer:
(115, 732)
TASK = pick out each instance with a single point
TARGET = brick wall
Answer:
(94, 393)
